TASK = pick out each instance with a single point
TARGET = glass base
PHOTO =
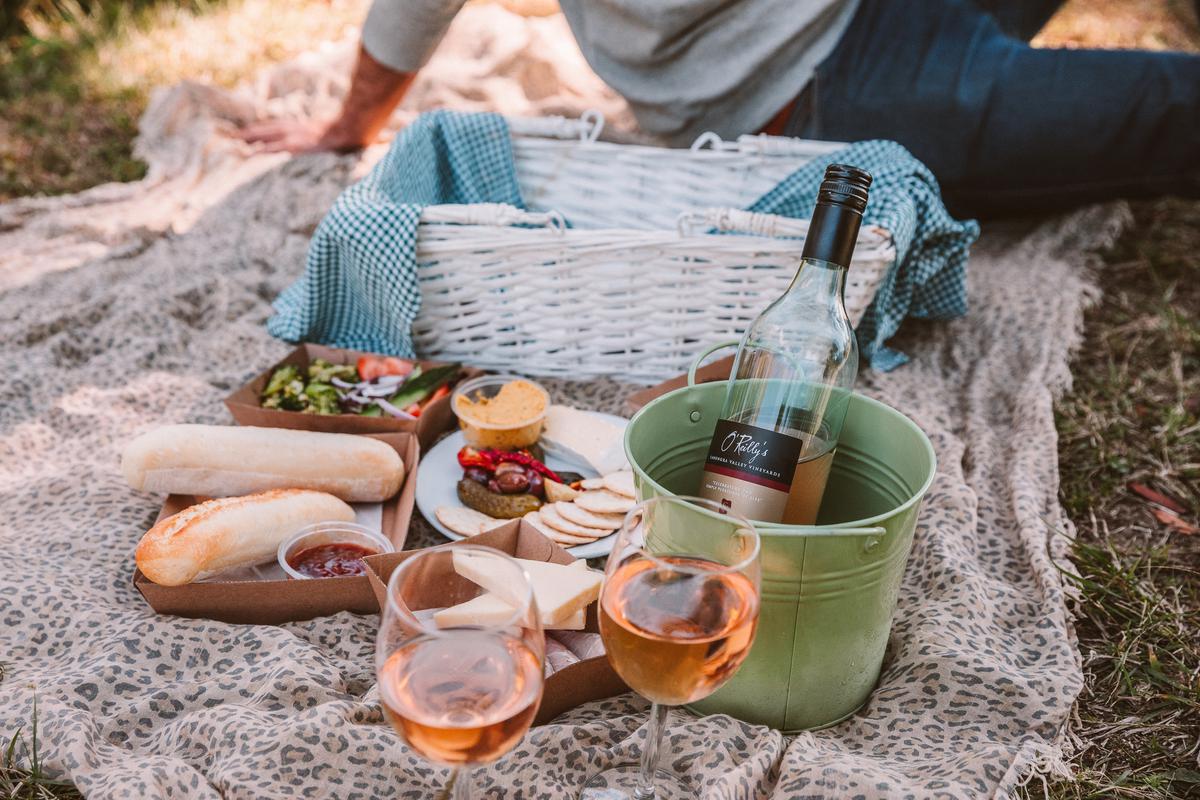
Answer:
(621, 782)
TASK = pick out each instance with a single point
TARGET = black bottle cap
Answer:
(845, 185)
(841, 201)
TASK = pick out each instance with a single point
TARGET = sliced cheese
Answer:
(487, 609)
(560, 590)
(586, 439)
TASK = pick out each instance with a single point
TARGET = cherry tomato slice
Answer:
(372, 367)
(438, 393)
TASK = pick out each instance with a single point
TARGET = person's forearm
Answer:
(375, 90)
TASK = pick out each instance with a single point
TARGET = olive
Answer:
(477, 474)
(508, 466)
(537, 484)
(513, 482)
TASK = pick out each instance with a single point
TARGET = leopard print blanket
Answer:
(113, 319)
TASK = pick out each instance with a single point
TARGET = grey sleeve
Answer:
(402, 34)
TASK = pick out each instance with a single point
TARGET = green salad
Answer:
(374, 387)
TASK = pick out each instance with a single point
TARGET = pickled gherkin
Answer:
(501, 506)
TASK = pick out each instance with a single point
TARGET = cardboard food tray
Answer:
(716, 371)
(578, 683)
(274, 601)
(246, 406)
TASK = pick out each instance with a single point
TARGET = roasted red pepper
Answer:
(470, 457)
(522, 458)
(488, 459)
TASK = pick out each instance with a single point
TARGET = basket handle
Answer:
(495, 214)
(765, 144)
(586, 128)
(705, 354)
(734, 220)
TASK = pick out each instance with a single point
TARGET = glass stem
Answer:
(654, 732)
(462, 784)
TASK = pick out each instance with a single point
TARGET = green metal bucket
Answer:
(828, 590)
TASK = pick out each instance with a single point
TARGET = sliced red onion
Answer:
(341, 384)
(391, 410)
(377, 391)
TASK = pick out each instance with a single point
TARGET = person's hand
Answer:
(300, 136)
(374, 91)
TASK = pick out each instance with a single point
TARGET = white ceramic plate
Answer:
(439, 472)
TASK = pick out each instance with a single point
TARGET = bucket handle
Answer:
(705, 354)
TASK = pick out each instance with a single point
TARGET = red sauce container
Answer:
(329, 550)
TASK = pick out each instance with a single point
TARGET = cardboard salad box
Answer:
(270, 602)
(246, 403)
(573, 685)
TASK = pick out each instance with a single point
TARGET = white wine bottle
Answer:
(770, 456)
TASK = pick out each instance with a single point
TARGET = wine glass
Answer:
(678, 611)
(460, 695)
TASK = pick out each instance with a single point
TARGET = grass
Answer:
(1133, 419)
(73, 85)
(22, 776)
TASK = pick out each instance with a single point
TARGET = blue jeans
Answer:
(1008, 128)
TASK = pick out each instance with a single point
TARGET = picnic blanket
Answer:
(360, 285)
(117, 322)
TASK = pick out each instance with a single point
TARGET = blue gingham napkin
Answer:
(359, 289)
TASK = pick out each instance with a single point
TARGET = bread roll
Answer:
(231, 532)
(224, 460)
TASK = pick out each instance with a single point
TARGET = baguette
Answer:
(231, 532)
(225, 461)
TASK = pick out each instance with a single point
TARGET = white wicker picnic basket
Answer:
(637, 285)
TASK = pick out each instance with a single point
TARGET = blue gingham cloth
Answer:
(359, 289)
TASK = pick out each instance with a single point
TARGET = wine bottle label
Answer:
(750, 469)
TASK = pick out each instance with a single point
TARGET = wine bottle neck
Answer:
(818, 281)
(832, 233)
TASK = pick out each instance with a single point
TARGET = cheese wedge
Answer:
(559, 590)
(559, 492)
(487, 609)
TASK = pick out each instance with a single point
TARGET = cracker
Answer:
(592, 483)
(605, 502)
(534, 518)
(620, 483)
(555, 520)
(465, 521)
(589, 519)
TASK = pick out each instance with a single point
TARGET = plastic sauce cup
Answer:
(509, 436)
(329, 533)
